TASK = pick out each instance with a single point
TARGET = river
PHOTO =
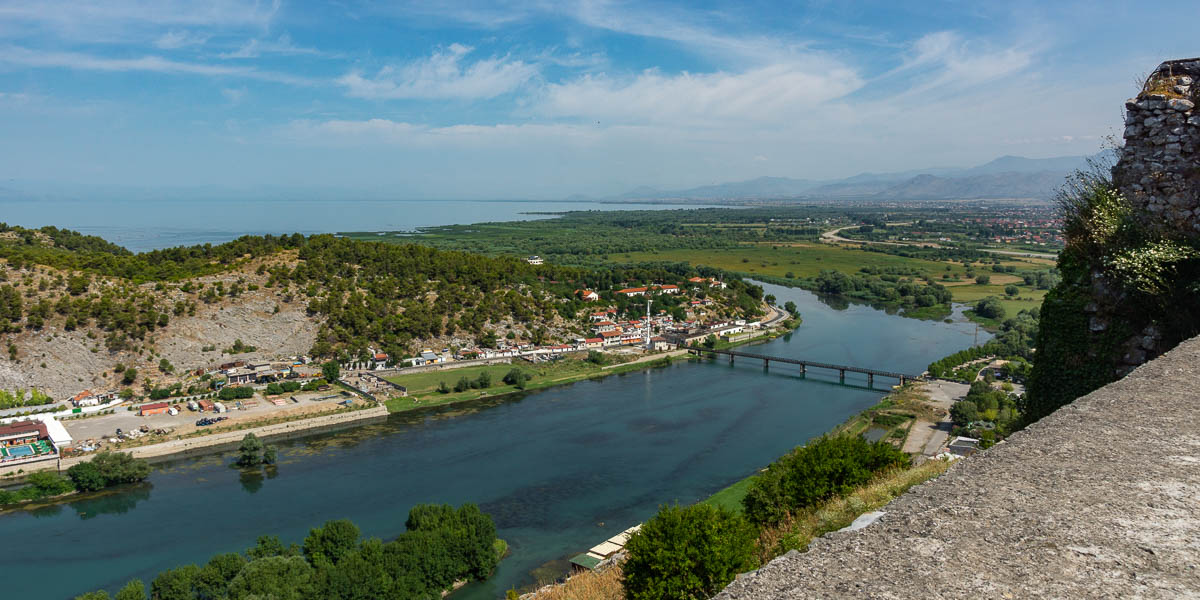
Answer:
(145, 224)
(560, 470)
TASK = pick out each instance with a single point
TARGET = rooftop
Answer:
(1099, 499)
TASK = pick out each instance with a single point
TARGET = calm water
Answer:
(560, 470)
(151, 224)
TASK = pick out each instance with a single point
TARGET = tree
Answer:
(134, 590)
(982, 279)
(990, 308)
(689, 552)
(129, 376)
(516, 377)
(443, 388)
(963, 412)
(86, 477)
(484, 380)
(790, 307)
(270, 456)
(120, 467)
(330, 542)
(250, 451)
(165, 366)
(1011, 290)
(331, 371)
(275, 577)
(49, 484)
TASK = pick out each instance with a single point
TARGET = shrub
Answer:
(830, 466)
(687, 552)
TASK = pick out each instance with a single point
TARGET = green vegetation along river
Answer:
(560, 469)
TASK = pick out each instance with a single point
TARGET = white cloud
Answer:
(769, 93)
(115, 19)
(16, 55)
(234, 95)
(443, 75)
(256, 47)
(175, 39)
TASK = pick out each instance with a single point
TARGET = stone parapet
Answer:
(1100, 499)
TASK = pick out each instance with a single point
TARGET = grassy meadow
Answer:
(809, 259)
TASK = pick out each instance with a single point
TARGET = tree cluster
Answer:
(827, 467)
(441, 546)
(104, 470)
(107, 469)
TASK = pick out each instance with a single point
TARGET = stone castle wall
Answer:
(1159, 166)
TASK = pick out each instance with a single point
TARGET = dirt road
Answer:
(927, 437)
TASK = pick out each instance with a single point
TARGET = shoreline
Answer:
(651, 361)
(216, 441)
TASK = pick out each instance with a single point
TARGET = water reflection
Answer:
(115, 501)
(251, 481)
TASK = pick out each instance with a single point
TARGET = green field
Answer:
(422, 387)
(802, 260)
(731, 497)
(808, 260)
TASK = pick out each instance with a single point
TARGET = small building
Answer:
(534, 260)
(668, 289)
(631, 292)
(21, 433)
(587, 295)
(156, 408)
(427, 357)
(85, 398)
(963, 446)
(592, 343)
(661, 343)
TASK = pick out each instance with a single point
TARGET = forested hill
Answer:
(360, 296)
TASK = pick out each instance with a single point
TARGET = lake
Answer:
(560, 470)
(141, 225)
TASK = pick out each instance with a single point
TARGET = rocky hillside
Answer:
(74, 308)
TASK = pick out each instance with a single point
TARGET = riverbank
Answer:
(217, 439)
(423, 393)
(894, 416)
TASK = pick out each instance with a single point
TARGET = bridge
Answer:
(805, 364)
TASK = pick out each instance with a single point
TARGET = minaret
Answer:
(648, 300)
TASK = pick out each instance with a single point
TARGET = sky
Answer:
(542, 100)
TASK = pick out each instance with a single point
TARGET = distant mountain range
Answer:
(1005, 177)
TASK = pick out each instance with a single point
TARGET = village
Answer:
(245, 392)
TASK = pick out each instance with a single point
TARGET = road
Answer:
(926, 437)
(832, 236)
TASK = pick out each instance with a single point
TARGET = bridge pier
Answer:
(870, 380)
(842, 375)
(731, 359)
(766, 364)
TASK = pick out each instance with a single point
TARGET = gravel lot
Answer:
(105, 426)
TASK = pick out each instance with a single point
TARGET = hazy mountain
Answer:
(1004, 177)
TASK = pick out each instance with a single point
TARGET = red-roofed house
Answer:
(587, 295)
(631, 292)
(156, 408)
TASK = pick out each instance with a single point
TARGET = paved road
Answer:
(833, 237)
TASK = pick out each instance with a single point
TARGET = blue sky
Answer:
(545, 99)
